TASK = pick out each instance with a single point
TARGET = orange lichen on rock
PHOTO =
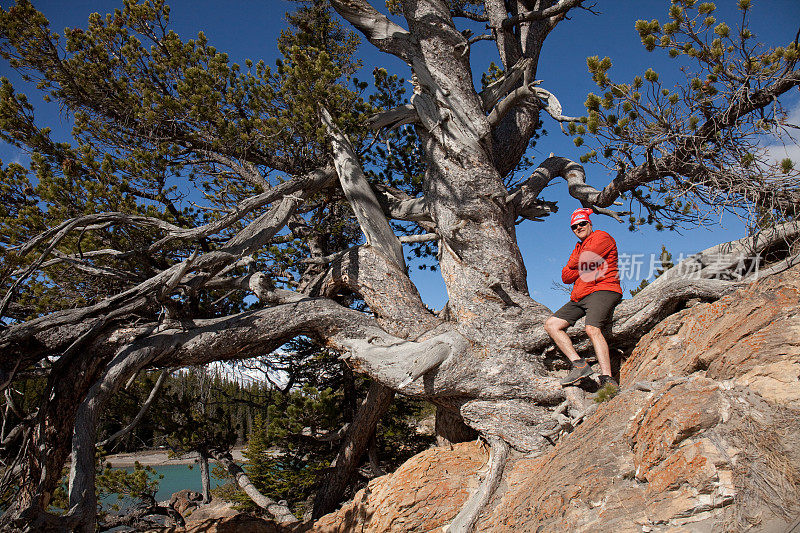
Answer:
(424, 494)
(751, 335)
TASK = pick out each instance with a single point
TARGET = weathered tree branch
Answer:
(358, 192)
(556, 10)
(377, 28)
(250, 239)
(458, 11)
(479, 38)
(85, 266)
(682, 160)
(280, 513)
(508, 46)
(707, 275)
(553, 107)
(384, 286)
(394, 118)
(400, 206)
(179, 348)
(499, 88)
(308, 183)
(425, 237)
(525, 196)
(510, 102)
(245, 169)
(145, 406)
(545, 99)
(56, 235)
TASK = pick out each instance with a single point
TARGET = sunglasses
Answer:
(579, 225)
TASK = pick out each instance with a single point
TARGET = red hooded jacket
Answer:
(592, 266)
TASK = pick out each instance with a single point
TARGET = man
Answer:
(592, 267)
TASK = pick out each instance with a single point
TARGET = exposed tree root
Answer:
(569, 413)
(465, 521)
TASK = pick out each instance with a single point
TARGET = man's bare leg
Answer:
(600, 348)
(580, 367)
(555, 327)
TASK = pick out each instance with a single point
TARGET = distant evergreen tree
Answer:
(298, 429)
(664, 265)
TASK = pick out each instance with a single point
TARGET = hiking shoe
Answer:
(577, 373)
(608, 380)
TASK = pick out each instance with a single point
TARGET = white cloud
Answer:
(787, 145)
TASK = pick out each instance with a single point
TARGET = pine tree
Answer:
(665, 263)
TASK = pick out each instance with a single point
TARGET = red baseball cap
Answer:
(579, 215)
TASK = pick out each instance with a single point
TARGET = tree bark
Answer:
(205, 476)
(357, 440)
(124, 365)
(466, 519)
(374, 459)
(48, 449)
(395, 300)
(450, 426)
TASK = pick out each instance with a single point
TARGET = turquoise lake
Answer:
(176, 477)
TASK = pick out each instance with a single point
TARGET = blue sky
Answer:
(248, 29)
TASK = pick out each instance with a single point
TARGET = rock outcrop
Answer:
(219, 516)
(751, 336)
(424, 494)
(648, 461)
(704, 436)
(185, 501)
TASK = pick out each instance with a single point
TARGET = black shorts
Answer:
(597, 306)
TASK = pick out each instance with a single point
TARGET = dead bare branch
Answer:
(556, 10)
